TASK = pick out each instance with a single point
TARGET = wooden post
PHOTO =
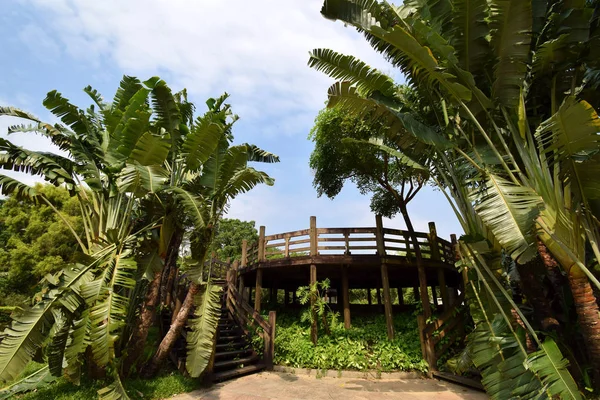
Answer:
(426, 346)
(385, 280)
(434, 296)
(234, 268)
(408, 244)
(313, 301)
(443, 288)
(258, 290)
(346, 297)
(287, 247)
(244, 253)
(294, 296)
(261, 244)
(454, 242)
(273, 295)
(400, 296)
(313, 277)
(378, 293)
(369, 299)
(286, 297)
(416, 294)
(270, 341)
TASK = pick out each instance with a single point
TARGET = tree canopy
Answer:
(229, 235)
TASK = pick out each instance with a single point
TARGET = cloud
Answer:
(257, 50)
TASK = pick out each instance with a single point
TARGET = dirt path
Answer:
(274, 385)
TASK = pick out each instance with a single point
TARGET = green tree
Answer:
(229, 235)
(35, 242)
(381, 169)
(512, 88)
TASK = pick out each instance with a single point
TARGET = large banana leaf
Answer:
(203, 328)
(509, 211)
(511, 24)
(12, 187)
(39, 378)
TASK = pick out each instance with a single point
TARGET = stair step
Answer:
(229, 338)
(234, 362)
(221, 376)
(231, 344)
(231, 353)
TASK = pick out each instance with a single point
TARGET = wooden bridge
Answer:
(357, 258)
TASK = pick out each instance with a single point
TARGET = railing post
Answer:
(261, 244)
(258, 289)
(426, 347)
(346, 297)
(244, 253)
(408, 242)
(287, 247)
(270, 341)
(313, 277)
(379, 239)
(347, 241)
(435, 255)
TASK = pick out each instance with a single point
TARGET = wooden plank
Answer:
(303, 232)
(324, 231)
(363, 247)
(299, 249)
(314, 237)
(331, 248)
(270, 342)
(443, 288)
(301, 241)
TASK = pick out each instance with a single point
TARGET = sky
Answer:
(257, 51)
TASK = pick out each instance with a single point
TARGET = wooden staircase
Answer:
(234, 355)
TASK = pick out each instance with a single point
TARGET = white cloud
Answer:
(257, 50)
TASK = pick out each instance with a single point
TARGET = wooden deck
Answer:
(359, 258)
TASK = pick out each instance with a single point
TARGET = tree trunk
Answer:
(145, 319)
(166, 345)
(419, 259)
(588, 314)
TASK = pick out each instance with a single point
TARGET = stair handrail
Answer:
(246, 316)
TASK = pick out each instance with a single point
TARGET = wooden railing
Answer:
(438, 335)
(251, 321)
(346, 241)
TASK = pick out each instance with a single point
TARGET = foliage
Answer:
(203, 328)
(34, 242)
(229, 235)
(167, 384)
(142, 169)
(321, 309)
(341, 155)
(363, 347)
(506, 114)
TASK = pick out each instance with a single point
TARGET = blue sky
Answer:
(254, 50)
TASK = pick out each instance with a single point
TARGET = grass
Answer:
(167, 384)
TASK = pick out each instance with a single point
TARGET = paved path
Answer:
(274, 385)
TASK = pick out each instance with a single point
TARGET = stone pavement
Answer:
(274, 385)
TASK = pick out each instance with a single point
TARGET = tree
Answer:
(392, 177)
(142, 170)
(512, 88)
(34, 242)
(229, 234)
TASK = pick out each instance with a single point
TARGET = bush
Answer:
(363, 347)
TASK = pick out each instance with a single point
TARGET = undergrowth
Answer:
(363, 347)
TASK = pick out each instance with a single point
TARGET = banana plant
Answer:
(507, 109)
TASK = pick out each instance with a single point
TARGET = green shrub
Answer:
(363, 347)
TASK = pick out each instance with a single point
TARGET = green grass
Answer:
(167, 384)
(363, 347)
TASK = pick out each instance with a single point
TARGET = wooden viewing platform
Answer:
(355, 258)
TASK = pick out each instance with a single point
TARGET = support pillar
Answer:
(346, 297)
(400, 296)
(416, 294)
(385, 280)
(313, 277)
(286, 298)
(434, 296)
(273, 295)
(378, 293)
(258, 290)
(369, 299)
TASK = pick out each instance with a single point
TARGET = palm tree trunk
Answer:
(140, 334)
(419, 260)
(588, 314)
(166, 345)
